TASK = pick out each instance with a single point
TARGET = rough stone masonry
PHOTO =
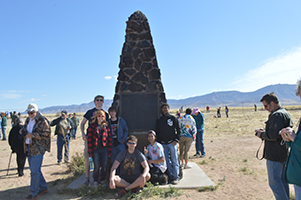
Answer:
(139, 91)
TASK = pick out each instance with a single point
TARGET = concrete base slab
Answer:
(192, 178)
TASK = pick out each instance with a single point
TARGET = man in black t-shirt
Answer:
(130, 162)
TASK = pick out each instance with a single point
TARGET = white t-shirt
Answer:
(155, 152)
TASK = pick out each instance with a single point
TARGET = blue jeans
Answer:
(199, 144)
(60, 143)
(3, 128)
(100, 159)
(73, 133)
(276, 172)
(37, 179)
(297, 192)
(172, 161)
(116, 150)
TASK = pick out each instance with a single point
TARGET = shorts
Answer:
(130, 179)
(86, 155)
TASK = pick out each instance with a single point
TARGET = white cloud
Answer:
(108, 77)
(30, 100)
(285, 68)
(10, 95)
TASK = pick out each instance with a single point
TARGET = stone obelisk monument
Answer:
(139, 92)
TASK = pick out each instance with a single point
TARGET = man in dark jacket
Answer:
(62, 130)
(166, 135)
(16, 144)
(275, 151)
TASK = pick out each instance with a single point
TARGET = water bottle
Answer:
(91, 163)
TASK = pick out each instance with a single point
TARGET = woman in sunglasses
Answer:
(99, 145)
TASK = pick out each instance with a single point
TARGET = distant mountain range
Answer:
(285, 93)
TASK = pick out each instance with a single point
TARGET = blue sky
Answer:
(65, 52)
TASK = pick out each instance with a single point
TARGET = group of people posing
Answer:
(107, 141)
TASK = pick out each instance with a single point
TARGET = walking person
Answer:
(188, 131)
(36, 131)
(3, 126)
(75, 121)
(199, 139)
(293, 162)
(62, 130)
(169, 134)
(99, 146)
(16, 144)
(89, 117)
(275, 151)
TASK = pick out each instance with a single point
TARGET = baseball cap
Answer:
(32, 107)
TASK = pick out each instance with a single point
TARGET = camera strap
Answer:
(258, 151)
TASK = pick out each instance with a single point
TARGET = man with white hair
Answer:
(36, 132)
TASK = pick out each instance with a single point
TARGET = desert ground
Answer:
(230, 161)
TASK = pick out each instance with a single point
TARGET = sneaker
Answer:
(95, 184)
(175, 182)
(187, 166)
(42, 192)
(196, 154)
(30, 197)
(202, 156)
(86, 182)
(58, 162)
(137, 190)
(182, 165)
(120, 193)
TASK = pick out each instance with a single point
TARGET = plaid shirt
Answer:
(93, 136)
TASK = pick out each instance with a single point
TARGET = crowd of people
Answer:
(118, 162)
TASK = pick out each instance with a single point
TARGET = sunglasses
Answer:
(266, 105)
(132, 143)
(30, 113)
(99, 99)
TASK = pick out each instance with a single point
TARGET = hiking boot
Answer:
(30, 197)
(120, 193)
(42, 192)
(86, 182)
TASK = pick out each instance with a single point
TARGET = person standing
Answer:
(275, 151)
(3, 126)
(62, 130)
(293, 162)
(218, 112)
(188, 130)
(16, 144)
(99, 146)
(14, 117)
(119, 132)
(36, 142)
(89, 116)
(169, 134)
(227, 111)
(199, 140)
(75, 121)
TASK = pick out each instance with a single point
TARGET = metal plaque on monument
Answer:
(139, 93)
